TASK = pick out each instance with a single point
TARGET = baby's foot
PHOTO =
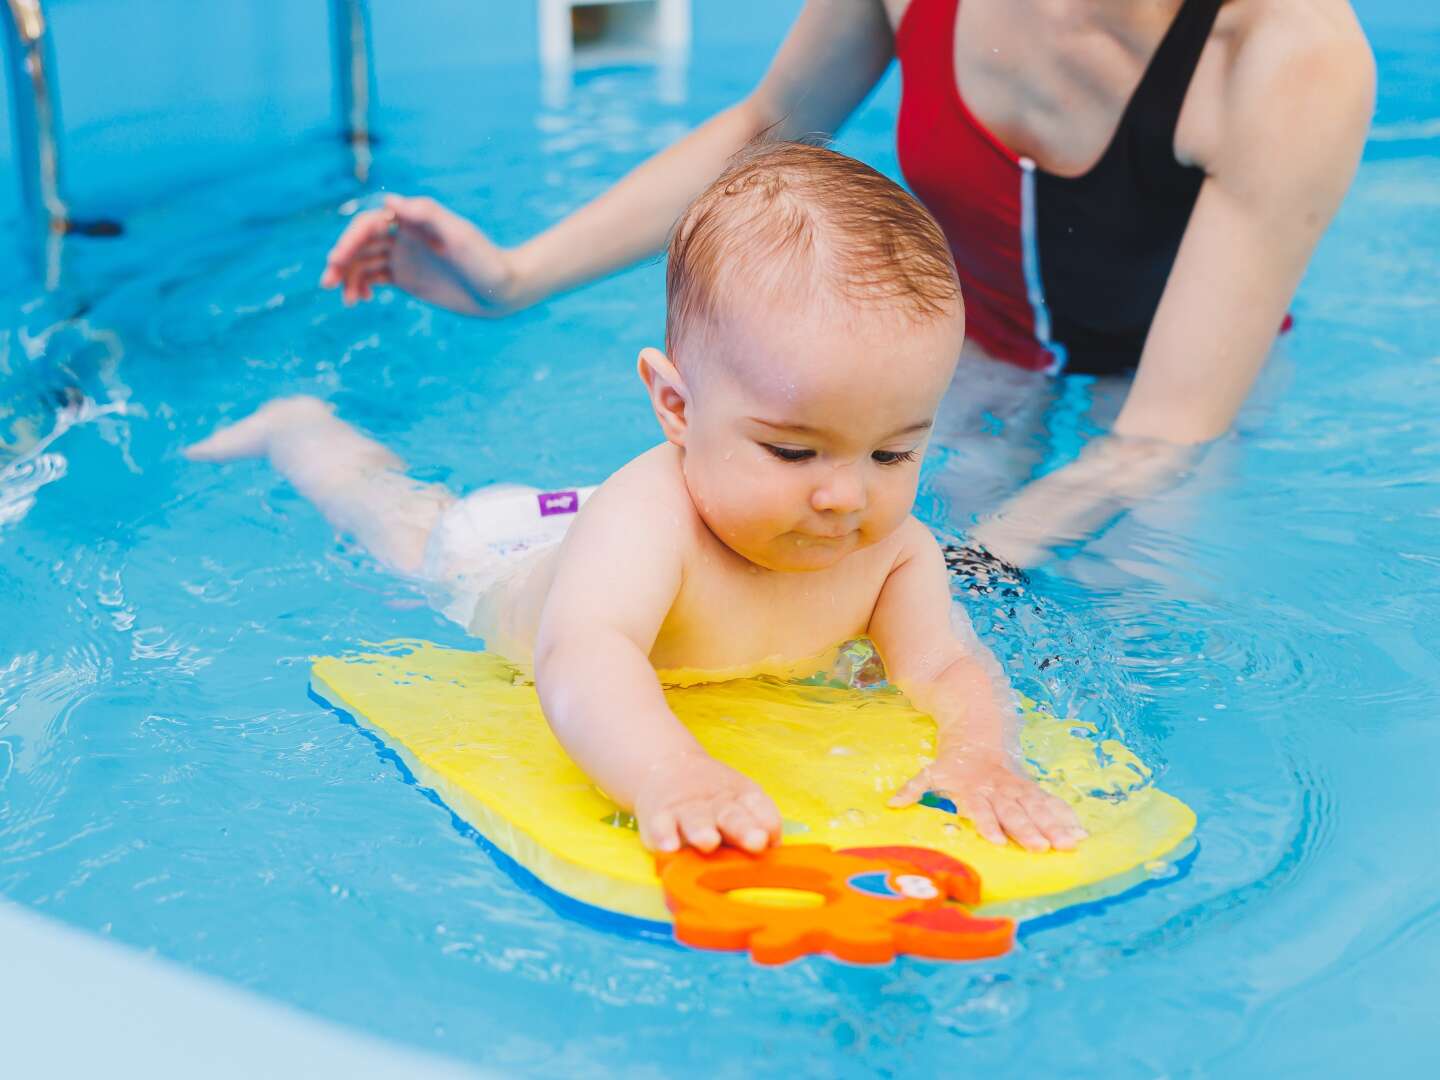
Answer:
(252, 437)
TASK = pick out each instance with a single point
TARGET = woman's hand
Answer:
(694, 799)
(432, 253)
(834, 55)
(1071, 504)
(999, 802)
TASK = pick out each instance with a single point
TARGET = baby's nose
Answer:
(842, 493)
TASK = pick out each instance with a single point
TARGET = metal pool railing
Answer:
(37, 127)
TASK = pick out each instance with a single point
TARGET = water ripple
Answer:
(1262, 635)
(20, 480)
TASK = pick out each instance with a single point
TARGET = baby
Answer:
(814, 322)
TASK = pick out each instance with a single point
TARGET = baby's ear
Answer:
(669, 396)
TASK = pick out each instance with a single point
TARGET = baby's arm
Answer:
(961, 685)
(618, 575)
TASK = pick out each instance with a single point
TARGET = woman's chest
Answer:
(1051, 79)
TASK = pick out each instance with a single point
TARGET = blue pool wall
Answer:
(160, 95)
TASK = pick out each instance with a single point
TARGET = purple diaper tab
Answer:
(558, 502)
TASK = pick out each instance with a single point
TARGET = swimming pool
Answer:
(1264, 634)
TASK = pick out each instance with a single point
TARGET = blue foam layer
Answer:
(599, 918)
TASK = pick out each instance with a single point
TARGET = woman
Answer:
(1127, 185)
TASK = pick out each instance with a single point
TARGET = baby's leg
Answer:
(358, 485)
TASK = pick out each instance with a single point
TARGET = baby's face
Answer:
(804, 435)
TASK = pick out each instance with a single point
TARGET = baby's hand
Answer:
(998, 802)
(694, 799)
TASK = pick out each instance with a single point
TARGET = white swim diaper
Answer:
(489, 534)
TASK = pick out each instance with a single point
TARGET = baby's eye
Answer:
(892, 457)
(789, 453)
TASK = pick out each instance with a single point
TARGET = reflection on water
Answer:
(1262, 633)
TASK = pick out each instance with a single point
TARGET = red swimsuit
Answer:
(1059, 274)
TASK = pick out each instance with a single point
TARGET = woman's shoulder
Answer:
(1305, 46)
(1298, 87)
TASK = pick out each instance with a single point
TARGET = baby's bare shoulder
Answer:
(912, 540)
(871, 569)
(647, 499)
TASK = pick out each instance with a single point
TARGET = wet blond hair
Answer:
(799, 222)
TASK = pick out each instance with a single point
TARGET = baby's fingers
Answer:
(1056, 819)
(765, 812)
(697, 826)
(1017, 822)
(739, 827)
(913, 791)
(982, 816)
(659, 832)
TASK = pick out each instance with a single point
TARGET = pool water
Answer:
(1264, 634)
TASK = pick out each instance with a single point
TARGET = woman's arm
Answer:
(833, 56)
(1296, 108)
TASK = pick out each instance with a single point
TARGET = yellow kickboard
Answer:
(469, 726)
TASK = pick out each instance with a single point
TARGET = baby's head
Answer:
(814, 324)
